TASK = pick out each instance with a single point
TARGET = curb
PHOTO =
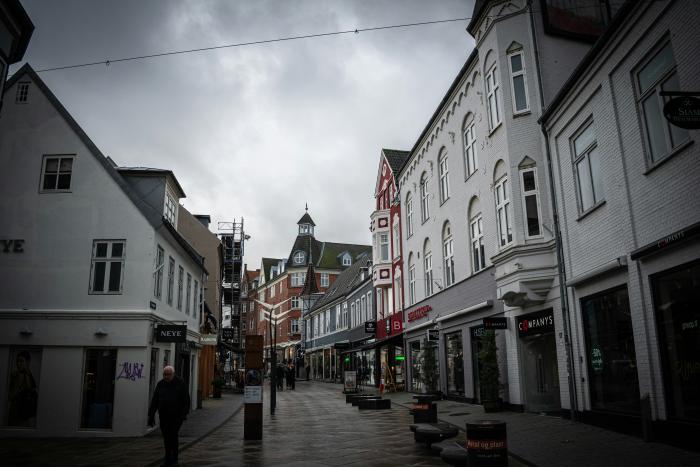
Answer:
(189, 444)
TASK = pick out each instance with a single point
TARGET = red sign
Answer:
(485, 444)
(390, 326)
(419, 313)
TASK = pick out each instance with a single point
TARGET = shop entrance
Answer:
(539, 359)
(477, 338)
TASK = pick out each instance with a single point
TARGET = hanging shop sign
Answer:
(495, 323)
(227, 333)
(683, 112)
(171, 333)
(536, 323)
(371, 327)
(420, 312)
(433, 335)
(207, 339)
(341, 345)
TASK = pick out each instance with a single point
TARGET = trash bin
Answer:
(486, 443)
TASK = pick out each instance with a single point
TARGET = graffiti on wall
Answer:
(130, 370)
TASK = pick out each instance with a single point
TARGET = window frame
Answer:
(170, 209)
(641, 95)
(536, 194)
(478, 241)
(171, 280)
(384, 254)
(22, 95)
(299, 257)
(188, 294)
(325, 279)
(195, 299)
(42, 177)
(409, 215)
(443, 172)
(513, 75)
(424, 198)
(428, 269)
(347, 260)
(448, 256)
(411, 284)
(503, 207)
(469, 135)
(492, 88)
(159, 265)
(395, 238)
(108, 269)
(180, 286)
(576, 158)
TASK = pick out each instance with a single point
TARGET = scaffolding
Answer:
(232, 238)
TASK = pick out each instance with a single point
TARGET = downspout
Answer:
(561, 270)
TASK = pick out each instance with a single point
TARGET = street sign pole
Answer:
(273, 370)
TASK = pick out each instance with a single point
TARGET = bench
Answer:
(374, 404)
(357, 401)
(430, 433)
(351, 397)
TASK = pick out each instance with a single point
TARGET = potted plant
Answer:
(217, 385)
(488, 375)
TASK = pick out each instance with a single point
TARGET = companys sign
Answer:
(420, 312)
(536, 323)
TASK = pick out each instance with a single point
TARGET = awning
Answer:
(284, 345)
(393, 340)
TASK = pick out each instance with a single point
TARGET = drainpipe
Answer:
(561, 270)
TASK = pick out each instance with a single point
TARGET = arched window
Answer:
(469, 132)
(299, 257)
(448, 255)
(411, 280)
(503, 209)
(409, 215)
(444, 181)
(476, 236)
(424, 207)
(428, 267)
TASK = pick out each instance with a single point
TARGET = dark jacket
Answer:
(171, 400)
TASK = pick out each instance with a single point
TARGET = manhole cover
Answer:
(458, 414)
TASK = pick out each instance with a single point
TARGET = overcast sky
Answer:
(258, 131)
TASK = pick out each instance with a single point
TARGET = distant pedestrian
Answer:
(280, 377)
(172, 402)
(308, 372)
(292, 376)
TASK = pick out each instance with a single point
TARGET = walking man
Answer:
(172, 402)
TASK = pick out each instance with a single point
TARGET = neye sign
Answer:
(171, 333)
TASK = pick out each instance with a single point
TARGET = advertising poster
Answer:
(23, 391)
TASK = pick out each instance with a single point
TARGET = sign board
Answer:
(253, 394)
(420, 312)
(683, 112)
(536, 323)
(495, 323)
(227, 333)
(207, 339)
(478, 331)
(341, 345)
(370, 327)
(596, 359)
(350, 381)
(171, 333)
(433, 335)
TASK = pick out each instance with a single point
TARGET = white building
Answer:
(626, 184)
(91, 264)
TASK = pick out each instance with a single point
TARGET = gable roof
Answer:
(346, 282)
(148, 171)
(325, 255)
(156, 221)
(267, 264)
(396, 159)
(306, 219)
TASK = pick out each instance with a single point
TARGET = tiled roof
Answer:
(331, 256)
(346, 282)
(396, 159)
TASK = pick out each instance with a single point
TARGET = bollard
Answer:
(486, 443)
(425, 412)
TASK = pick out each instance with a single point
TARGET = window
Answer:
(328, 321)
(345, 314)
(477, 239)
(308, 329)
(170, 209)
(295, 302)
(612, 362)
(107, 268)
(587, 167)
(56, 173)
(298, 279)
(444, 181)
(316, 325)
(658, 74)
(363, 309)
(397, 290)
(299, 257)
(428, 267)
(100, 371)
(505, 230)
(448, 255)
(470, 163)
(531, 203)
(384, 247)
(347, 261)
(272, 290)
(295, 326)
(171, 279)
(188, 300)
(411, 282)
(518, 82)
(424, 206)
(22, 93)
(324, 279)
(369, 306)
(353, 315)
(195, 303)
(180, 278)
(395, 237)
(493, 98)
(158, 273)
(409, 215)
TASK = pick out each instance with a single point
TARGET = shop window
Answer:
(107, 268)
(611, 358)
(676, 295)
(23, 390)
(98, 388)
(416, 380)
(455, 364)
(56, 173)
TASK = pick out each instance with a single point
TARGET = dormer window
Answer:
(347, 260)
(299, 257)
(170, 209)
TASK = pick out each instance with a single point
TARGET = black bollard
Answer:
(486, 443)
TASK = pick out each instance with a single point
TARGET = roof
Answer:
(252, 275)
(310, 286)
(396, 159)
(309, 245)
(151, 172)
(20, 18)
(325, 255)
(479, 8)
(588, 59)
(306, 219)
(267, 264)
(345, 283)
(156, 222)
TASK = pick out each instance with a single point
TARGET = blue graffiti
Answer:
(131, 371)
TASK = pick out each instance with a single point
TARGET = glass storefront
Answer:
(611, 359)
(98, 388)
(477, 334)
(539, 359)
(676, 297)
(455, 364)
(416, 356)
